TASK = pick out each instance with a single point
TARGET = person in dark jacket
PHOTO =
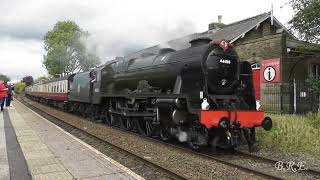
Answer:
(10, 88)
(3, 94)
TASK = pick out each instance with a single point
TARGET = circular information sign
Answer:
(269, 73)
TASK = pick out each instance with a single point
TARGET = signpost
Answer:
(271, 70)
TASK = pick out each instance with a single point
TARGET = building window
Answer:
(315, 71)
(255, 66)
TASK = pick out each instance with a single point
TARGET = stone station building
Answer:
(265, 42)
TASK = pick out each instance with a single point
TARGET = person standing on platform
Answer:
(10, 94)
(3, 94)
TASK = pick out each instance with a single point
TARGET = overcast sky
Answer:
(116, 27)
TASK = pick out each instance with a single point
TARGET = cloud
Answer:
(21, 58)
(116, 27)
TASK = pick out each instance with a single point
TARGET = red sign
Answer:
(270, 70)
(256, 82)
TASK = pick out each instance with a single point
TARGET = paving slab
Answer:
(4, 164)
(52, 153)
(18, 168)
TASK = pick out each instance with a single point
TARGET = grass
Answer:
(292, 133)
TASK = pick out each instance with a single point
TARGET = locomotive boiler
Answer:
(202, 95)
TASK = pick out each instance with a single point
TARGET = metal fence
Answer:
(304, 99)
(293, 97)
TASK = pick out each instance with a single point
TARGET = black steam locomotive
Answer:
(202, 95)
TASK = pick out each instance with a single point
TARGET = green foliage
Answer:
(55, 60)
(4, 78)
(66, 52)
(292, 133)
(28, 80)
(19, 87)
(41, 78)
(312, 48)
(306, 19)
(314, 84)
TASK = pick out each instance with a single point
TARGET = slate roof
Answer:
(236, 29)
(229, 32)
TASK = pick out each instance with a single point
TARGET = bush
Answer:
(19, 87)
(292, 133)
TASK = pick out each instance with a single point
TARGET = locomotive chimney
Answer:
(199, 41)
(219, 18)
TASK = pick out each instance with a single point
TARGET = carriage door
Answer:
(256, 82)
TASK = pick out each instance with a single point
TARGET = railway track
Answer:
(228, 159)
(172, 175)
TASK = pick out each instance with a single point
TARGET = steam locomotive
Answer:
(202, 95)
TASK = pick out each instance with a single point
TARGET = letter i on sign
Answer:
(269, 73)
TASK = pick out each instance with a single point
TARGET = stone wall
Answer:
(267, 47)
(274, 97)
(264, 43)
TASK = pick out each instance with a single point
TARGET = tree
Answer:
(28, 80)
(4, 78)
(306, 20)
(41, 78)
(65, 51)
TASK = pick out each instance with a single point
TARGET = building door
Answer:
(256, 80)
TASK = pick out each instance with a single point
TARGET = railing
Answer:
(293, 97)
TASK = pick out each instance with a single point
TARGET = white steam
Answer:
(121, 41)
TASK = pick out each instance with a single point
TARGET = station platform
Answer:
(32, 147)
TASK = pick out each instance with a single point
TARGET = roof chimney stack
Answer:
(214, 26)
(219, 18)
